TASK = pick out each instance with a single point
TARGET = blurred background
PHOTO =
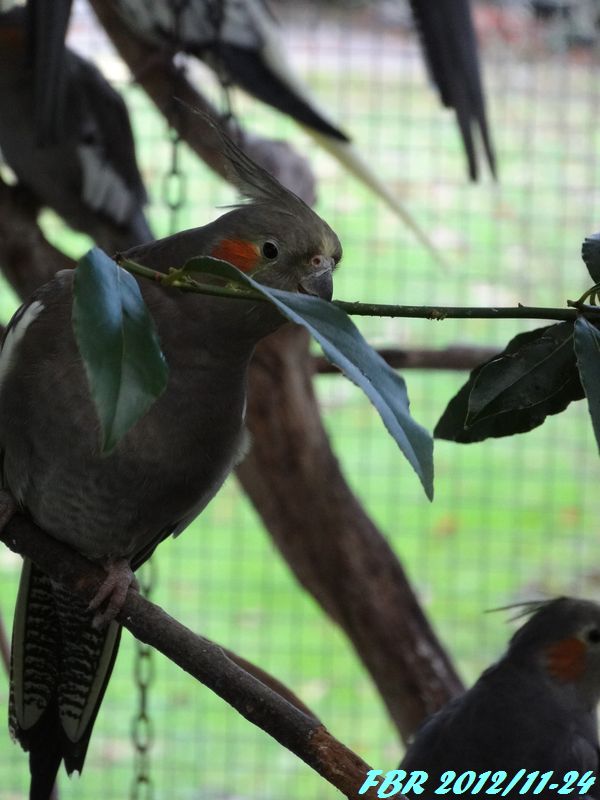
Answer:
(512, 519)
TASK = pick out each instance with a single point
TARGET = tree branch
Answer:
(288, 722)
(454, 357)
(439, 313)
(185, 283)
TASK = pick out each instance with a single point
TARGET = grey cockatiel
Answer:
(88, 173)
(116, 508)
(535, 709)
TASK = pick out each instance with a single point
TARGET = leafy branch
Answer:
(116, 316)
(538, 374)
(181, 279)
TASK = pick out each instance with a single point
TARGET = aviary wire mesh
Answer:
(512, 518)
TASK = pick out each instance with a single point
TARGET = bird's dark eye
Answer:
(593, 635)
(270, 250)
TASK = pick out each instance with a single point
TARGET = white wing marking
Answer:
(21, 321)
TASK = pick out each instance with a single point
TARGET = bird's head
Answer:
(296, 252)
(274, 237)
(562, 638)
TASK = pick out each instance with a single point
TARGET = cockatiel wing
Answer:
(111, 181)
(60, 665)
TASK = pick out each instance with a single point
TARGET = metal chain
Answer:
(142, 729)
(174, 184)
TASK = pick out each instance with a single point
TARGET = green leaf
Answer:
(587, 349)
(590, 252)
(344, 346)
(118, 343)
(523, 377)
(534, 377)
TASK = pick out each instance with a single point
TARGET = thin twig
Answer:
(187, 284)
(375, 309)
(460, 312)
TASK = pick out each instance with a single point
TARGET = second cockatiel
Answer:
(534, 710)
(116, 508)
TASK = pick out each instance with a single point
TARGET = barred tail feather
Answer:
(59, 673)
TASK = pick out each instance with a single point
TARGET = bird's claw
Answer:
(112, 592)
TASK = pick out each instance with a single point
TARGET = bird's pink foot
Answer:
(112, 592)
(8, 507)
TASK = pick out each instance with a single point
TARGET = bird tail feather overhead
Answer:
(266, 73)
(257, 78)
(59, 672)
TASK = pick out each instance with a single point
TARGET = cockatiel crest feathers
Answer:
(522, 609)
(253, 181)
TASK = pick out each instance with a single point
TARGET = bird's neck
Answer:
(229, 328)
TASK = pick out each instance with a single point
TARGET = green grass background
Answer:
(511, 518)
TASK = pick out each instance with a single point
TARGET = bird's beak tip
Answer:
(319, 283)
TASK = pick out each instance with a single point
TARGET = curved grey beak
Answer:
(320, 281)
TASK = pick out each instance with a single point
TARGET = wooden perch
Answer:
(287, 721)
(454, 357)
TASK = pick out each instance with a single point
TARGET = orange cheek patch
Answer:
(243, 255)
(566, 659)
